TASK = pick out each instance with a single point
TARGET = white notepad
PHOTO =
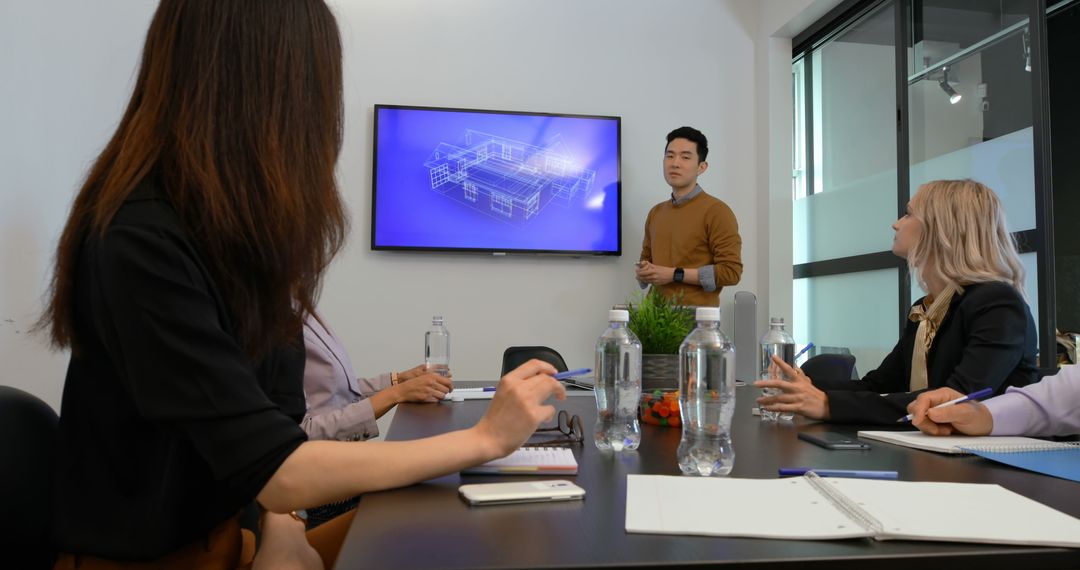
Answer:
(460, 394)
(1058, 459)
(530, 461)
(946, 444)
(816, 508)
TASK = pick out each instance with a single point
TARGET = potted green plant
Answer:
(661, 324)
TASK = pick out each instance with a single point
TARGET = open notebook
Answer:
(530, 461)
(1053, 458)
(822, 509)
(947, 444)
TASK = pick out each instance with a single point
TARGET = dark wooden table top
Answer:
(429, 526)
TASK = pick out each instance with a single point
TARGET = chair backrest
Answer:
(27, 447)
(517, 355)
(829, 367)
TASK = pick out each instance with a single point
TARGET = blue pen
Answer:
(572, 373)
(972, 396)
(851, 474)
(808, 346)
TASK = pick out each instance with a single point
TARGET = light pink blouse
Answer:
(337, 400)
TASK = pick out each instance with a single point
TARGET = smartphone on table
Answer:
(523, 492)
(833, 440)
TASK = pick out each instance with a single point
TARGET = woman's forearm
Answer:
(383, 400)
(320, 472)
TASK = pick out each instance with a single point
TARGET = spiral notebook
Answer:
(816, 508)
(1057, 459)
(530, 461)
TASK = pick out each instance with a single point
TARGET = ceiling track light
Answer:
(954, 97)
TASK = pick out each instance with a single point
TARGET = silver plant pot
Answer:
(659, 371)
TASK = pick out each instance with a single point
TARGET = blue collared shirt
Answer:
(689, 196)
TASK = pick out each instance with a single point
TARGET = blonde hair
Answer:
(963, 238)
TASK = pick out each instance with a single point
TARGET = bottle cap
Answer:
(620, 315)
(776, 320)
(708, 313)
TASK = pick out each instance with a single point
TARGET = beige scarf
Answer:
(929, 320)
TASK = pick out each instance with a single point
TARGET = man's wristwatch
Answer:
(394, 379)
(679, 273)
(300, 515)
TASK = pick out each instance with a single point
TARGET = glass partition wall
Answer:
(970, 110)
(848, 91)
(944, 89)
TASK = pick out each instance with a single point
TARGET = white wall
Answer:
(67, 67)
(600, 57)
(778, 22)
(65, 73)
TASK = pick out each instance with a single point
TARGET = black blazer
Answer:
(987, 339)
(166, 427)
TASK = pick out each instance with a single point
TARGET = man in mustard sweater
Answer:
(692, 247)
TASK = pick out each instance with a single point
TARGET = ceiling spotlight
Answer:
(954, 97)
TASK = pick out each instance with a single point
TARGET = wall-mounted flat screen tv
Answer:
(495, 181)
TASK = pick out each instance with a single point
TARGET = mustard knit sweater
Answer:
(700, 232)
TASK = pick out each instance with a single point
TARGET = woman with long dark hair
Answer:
(189, 258)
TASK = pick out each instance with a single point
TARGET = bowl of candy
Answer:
(660, 407)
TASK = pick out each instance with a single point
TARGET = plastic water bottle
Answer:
(618, 386)
(777, 341)
(706, 398)
(437, 347)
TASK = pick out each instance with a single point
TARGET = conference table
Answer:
(428, 525)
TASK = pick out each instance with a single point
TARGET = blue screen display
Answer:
(453, 179)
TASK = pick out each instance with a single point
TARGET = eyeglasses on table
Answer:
(567, 430)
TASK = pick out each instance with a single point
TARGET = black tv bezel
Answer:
(486, 250)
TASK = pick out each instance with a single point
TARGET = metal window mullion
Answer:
(903, 169)
(1044, 200)
(808, 120)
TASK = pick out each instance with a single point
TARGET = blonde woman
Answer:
(972, 330)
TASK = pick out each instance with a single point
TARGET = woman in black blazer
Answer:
(972, 331)
(189, 258)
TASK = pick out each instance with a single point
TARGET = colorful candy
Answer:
(660, 408)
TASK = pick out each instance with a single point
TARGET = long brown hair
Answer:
(237, 111)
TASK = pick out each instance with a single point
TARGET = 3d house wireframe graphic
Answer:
(506, 178)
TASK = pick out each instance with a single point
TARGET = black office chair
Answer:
(829, 367)
(517, 355)
(27, 446)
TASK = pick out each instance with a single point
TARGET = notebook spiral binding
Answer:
(850, 508)
(1048, 446)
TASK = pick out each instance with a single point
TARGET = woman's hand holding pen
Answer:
(518, 406)
(969, 418)
(798, 393)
